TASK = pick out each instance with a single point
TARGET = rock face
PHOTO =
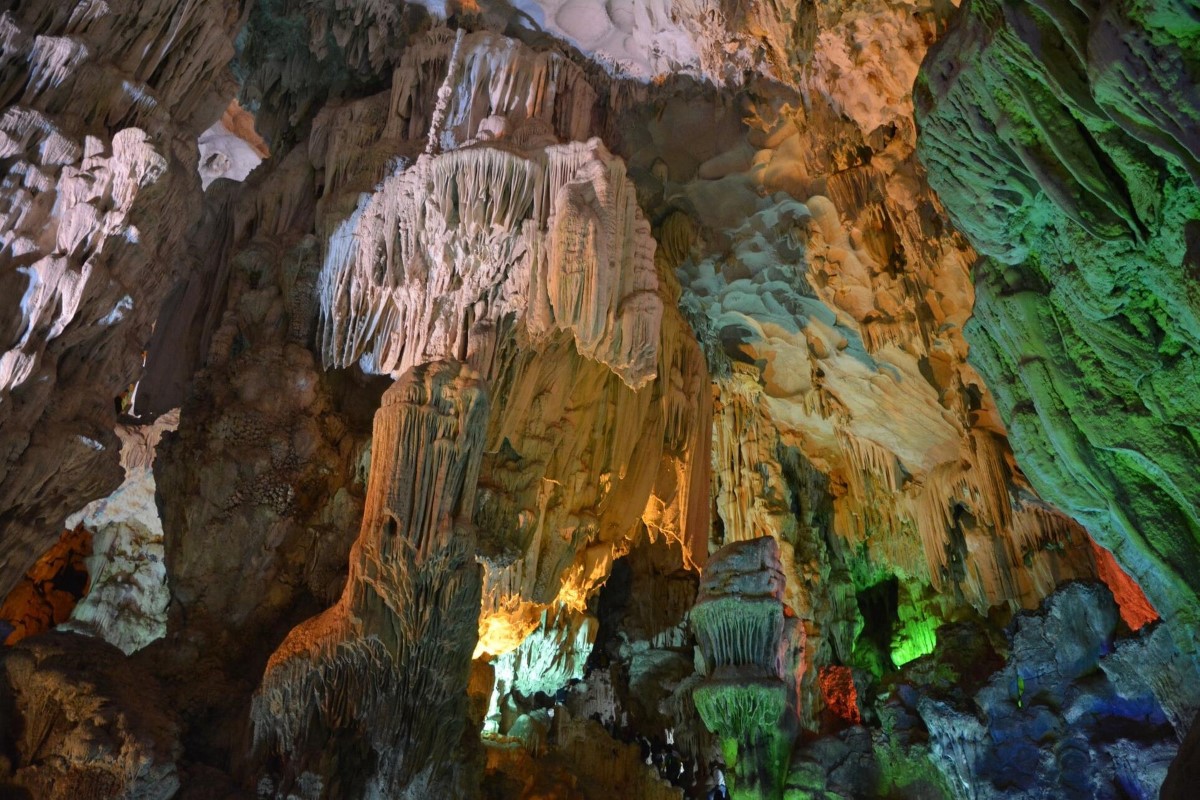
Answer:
(261, 487)
(81, 721)
(830, 298)
(1076, 178)
(231, 148)
(101, 111)
(1042, 715)
(382, 675)
(554, 655)
(276, 442)
(683, 472)
(1185, 769)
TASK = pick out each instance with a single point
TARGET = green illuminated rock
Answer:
(915, 634)
(736, 630)
(1064, 139)
(741, 710)
(751, 645)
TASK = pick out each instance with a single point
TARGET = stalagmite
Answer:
(695, 464)
(751, 643)
(384, 672)
(127, 598)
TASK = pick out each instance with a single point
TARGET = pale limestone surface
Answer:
(126, 603)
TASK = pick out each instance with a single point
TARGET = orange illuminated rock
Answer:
(839, 694)
(1135, 607)
(49, 591)
(240, 122)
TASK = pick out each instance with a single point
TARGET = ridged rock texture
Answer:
(751, 644)
(102, 102)
(367, 700)
(1066, 681)
(81, 722)
(1063, 140)
(669, 404)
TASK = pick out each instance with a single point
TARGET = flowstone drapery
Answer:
(369, 698)
(751, 643)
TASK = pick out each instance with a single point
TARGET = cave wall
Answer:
(695, 265)
(1060, 140)
(103, 102)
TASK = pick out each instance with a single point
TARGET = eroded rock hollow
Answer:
(599, 399)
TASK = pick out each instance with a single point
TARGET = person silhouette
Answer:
(719, 790)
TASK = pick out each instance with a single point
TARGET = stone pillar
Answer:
(751, 644)
(369, 698)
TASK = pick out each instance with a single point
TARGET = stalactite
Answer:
(554, 237)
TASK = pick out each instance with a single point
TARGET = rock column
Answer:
(369, 698)
(751, 642)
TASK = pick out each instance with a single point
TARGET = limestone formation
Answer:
(830, 299)
(230, 148)
(907, 461)
(48, 593)
(384, 672)
(81, 721)
(530, 260)
(261, 488)
(586, 481)
(751, 643)
(1033, 726)
(584, 763)
(551, 657)
(1184, 770)
(127, 596)
(691, 467)
(647, 40)
(1076, 178)
(555, 240)
(102, 103)
(290, 433)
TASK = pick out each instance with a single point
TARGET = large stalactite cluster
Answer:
(670, 405)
